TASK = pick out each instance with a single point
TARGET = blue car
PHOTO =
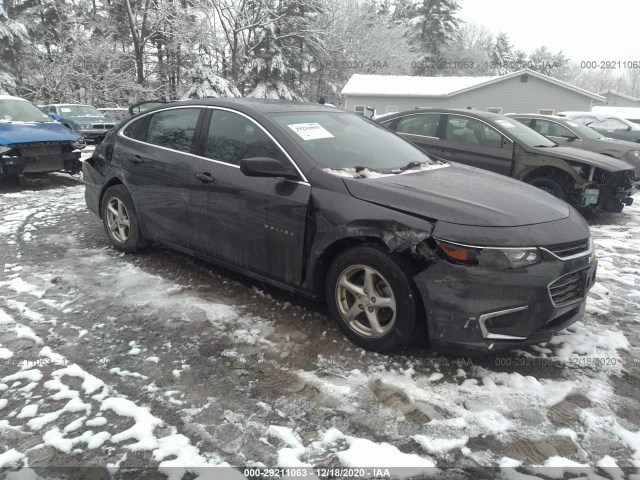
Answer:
(31, 142)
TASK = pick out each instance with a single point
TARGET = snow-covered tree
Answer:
(430, 26)
(207, 84)
(11, 34)
(502, 55)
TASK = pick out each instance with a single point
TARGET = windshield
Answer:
(583, 131)
(79, 111)
(342, 140)
(21, 111)
(524, 134)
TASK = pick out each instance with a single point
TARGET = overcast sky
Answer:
(604, 30)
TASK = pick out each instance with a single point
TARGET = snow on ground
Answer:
(161, 361)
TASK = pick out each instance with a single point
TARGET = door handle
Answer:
(205, 177)
(136, 159)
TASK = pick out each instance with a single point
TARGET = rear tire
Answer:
(550, 186)
(372, 299)
(121, 221)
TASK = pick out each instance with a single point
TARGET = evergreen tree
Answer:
(12, 34)
(502, 55)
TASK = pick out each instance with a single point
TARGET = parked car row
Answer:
(84, 119)
(331, 205)
(505, 145)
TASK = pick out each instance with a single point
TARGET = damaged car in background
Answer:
(31, 142)
(333, 206)
(503, 145)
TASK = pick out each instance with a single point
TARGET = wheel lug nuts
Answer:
(370, 309)
(373, 299)
(359, 296)
(360, 306)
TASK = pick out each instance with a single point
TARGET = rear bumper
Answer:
(472, 308)
(60, 162)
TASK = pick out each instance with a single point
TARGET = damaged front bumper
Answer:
(616, 189)
(41, 163)
(470, 307)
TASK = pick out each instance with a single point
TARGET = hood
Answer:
(622, 144)
(604, 162)
(12, 133)
(461, 195)
(90, 119)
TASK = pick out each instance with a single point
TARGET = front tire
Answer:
(550, 186)
(121, 221)
(371, 299)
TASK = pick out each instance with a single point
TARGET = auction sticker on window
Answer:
(310, 131)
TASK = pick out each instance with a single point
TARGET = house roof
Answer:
(395, 85)
(621, 95)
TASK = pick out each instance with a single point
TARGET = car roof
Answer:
(462, 111)
(11, 97)
(538, 115)
(252, 105)
(68, 105)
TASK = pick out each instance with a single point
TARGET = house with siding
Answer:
(617, 99)
(524, 91)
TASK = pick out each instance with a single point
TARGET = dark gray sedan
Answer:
(565, 131)
(330, 205)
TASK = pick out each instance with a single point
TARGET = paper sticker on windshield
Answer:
(506, 124)
(310, 131)
(65, 109)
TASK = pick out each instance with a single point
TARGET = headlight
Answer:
(4, 149)
(86, 126)
(633, 155)
(490, 257)
(79, 144)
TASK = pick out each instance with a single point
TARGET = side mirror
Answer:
(571, 138)
(266, 167)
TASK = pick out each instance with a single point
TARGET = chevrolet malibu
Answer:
(330, 205)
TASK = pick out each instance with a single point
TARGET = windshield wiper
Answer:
(410, 165)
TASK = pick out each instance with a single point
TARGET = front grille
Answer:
(21, 146)
(102, 126)
(566, 289)
(569, 249)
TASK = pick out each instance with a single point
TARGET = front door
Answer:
(472, 142)
(256, 223)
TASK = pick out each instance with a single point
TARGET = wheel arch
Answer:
(113, 181)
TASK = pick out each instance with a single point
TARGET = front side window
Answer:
(613, 124)
(552, 129)
(425, 124)
(470, 130)
(173, 128)
(232, 138)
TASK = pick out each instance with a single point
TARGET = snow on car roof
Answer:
(11, 97)
(407, 85)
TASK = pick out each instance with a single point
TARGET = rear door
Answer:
(256, 223)
(155, 152)
(473, 142)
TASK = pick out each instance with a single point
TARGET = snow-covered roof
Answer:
(384, 85)
(621, 95)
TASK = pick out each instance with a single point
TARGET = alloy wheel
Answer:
(366, 301)
(118, 220)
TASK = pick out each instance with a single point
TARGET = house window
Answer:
(494, 110)
(392, 109)
(359, 109)
(545, 111)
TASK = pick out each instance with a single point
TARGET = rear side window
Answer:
(137, 130)
(425, 124)
(552, 129)
(173, 128)
(232, 138)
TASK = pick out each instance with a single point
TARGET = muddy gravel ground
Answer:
(158, 365)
